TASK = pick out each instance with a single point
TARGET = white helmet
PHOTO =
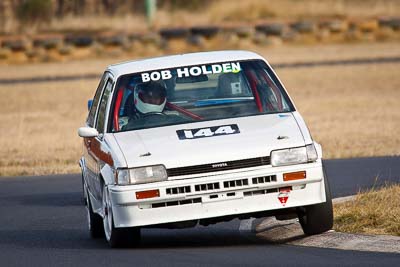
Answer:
(150, 97)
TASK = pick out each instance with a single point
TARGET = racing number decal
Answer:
(208, 132)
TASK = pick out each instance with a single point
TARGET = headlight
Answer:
(295, 155)
(141, 175)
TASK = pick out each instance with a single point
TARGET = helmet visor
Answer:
(151, 97)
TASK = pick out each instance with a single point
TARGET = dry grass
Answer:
(321, 52)
(119, 23)
(351, 110)
(228, 11)
(252, 10)
(15, 71)
(372, 212)
(39, 127)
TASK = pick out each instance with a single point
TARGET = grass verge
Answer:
(39, 125)
(371, 212)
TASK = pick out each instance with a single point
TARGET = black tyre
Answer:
(393, 23)
(79, 40)
(304, 26)
(112, 40)
(318, 218)
(205, 31)
(117, 237)
(172, 33)
(95, 222)
(15, 44)
(271, 28)
(47, 42)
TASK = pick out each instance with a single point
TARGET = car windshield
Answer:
(196, 93)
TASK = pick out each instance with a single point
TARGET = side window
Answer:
(101, 115)
(95, 104)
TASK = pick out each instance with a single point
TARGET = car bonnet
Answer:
(183, 145)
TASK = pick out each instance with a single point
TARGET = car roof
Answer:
(173, 61)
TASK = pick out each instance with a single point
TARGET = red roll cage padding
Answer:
(253, 85)
(118, 101)
(183, 111)
(276, 91)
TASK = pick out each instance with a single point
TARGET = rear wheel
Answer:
(318, 218)
(95, 222)
(117, 237)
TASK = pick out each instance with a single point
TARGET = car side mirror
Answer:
(87, 132)
(89, 104)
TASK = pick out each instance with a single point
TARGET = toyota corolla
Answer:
(197, 139)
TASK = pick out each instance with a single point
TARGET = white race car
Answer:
(197, 138)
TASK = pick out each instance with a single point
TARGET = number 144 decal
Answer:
(208, 131)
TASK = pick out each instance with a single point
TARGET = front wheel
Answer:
(318, 218)
(117, 237)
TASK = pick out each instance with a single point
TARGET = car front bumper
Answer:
(217, 195)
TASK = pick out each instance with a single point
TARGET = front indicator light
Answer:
(294, 176)
(147, 194)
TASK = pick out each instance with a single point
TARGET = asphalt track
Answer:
(306, 64)
(42, 223)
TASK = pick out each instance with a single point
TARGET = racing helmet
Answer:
(150, 97)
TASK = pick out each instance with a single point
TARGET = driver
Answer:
(149, 97)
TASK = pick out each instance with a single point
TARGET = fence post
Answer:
(151, 8)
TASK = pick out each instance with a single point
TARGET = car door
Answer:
(89, 163)
(95, 157)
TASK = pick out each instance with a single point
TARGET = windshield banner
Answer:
(191, 71)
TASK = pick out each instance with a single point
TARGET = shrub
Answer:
(35, 11)
(184, 4)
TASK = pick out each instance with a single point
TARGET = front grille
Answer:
(219, 166)
(206, 187)
(264, 179)
(236, 183)
(176, 203)
(178, 190)
(260, 192)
